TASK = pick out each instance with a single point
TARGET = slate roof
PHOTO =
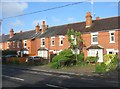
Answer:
(94, 47)
(97, 25)
(23, 35)
(4, 38)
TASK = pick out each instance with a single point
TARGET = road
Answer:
(18, 78)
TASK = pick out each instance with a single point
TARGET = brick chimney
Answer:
(37, 28)
(97, 18)
(11, 33)
(43, 26)
(88, 19)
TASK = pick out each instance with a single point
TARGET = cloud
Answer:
(71, 19)
(13, 8)
(54, 19)
(17, 23)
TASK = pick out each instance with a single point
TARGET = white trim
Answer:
(8, 45)
(95, 33)
(60, 39)
(25, 41)
(110, 50)
(42, 42)
(18, 44)
(52, 40)
(13, 44)
(111, 36)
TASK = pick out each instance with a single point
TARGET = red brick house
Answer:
(100, 36)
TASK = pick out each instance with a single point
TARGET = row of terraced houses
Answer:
(100, 36)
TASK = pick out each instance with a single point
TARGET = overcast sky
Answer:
(70, 14)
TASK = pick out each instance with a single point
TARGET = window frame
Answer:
(61, 39)
(42, 42)
(25, 42)
(110, 32)
(52, 41)
(93, 35)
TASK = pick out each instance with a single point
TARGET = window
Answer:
(61, 40)
(25, 43)
(52, 41)
(112, 37)
(110, 51)
(94, 38)
(8, 44)
(18, 44)
(42, 42)
(13, 44)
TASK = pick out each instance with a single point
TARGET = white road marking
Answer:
(64, 76)
(56, 86)
(13, 78)
(47, 74)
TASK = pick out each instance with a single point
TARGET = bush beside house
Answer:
(110, 63)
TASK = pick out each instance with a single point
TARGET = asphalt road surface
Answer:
(18, 78)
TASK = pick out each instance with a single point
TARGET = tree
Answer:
(75, 39)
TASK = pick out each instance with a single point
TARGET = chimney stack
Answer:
(43, 26)
(11, 33)
(97, 18)
(37, 28)
(88, 19)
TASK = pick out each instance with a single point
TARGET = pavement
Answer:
(114, 75)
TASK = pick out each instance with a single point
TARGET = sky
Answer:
(70, 14)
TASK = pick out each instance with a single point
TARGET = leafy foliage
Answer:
(9, 52)
(110, 63)
(91, 59)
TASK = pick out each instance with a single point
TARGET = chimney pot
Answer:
(88, 19)
(43, 26)
(11, 33)
(37, 28)
(97, 18)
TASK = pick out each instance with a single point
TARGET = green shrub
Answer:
(91, 59)
(14, 62)
(110, 63)
(55, 65)
(9, 52)
(64, 55)
(80, 57)
(100, 67)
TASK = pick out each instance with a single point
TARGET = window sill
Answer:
(112, 42)
(94, 43)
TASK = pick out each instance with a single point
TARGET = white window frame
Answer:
(8, 46)
(52, 39)
(25, 41)
(110, 50)
(61, 39)
(110, 32)
(13, 44)
(92, 36)
(18, 44)
(42, 42)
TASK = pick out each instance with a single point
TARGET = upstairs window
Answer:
(13, 44)
(94, 38)
(8, 44)
(25, 43)
(61, 40)
(18, 44)
(52, 41)
(112, 37)
(42, 42)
